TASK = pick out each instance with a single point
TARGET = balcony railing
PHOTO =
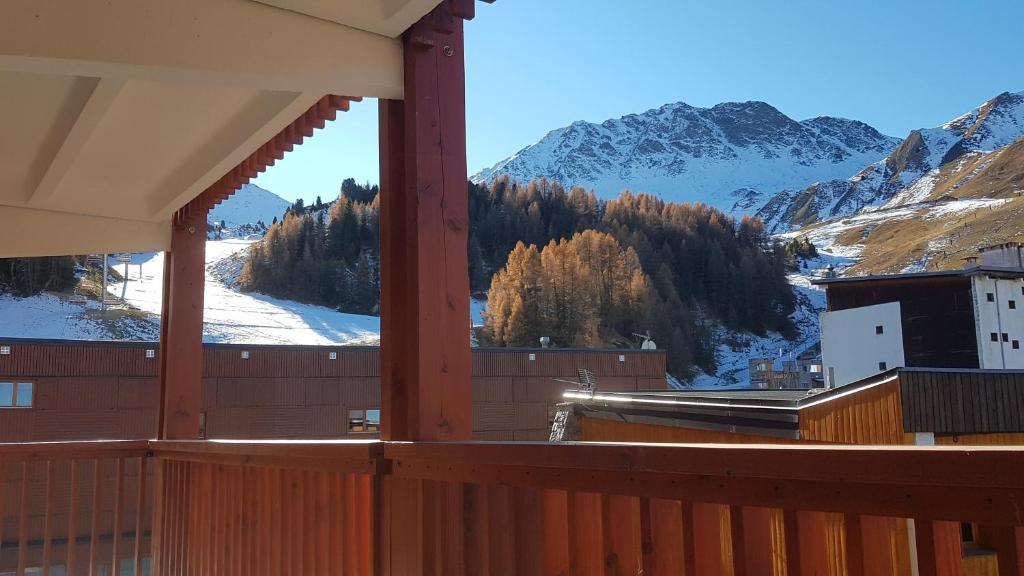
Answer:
(225, 508)
(80, 506)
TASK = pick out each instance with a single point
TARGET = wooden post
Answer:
(425, 355)
(181, 329)
(425, 322)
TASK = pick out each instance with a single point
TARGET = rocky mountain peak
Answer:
(730, 155)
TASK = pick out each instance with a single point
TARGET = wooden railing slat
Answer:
(350, 560)
(48, 520)
(663, 541)
(689, 537)
(529, 530)
(939, 551)
(94, 523)
(368, 502)
(587, 533)
(1008, 543)
(69, 565)
(476, 530)
(502, 542)
(737, 534)
(555, 540)
(624, 534)
(23, 520)
(710, 545)
(119, 490)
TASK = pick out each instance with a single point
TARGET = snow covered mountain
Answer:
(929, 164)
(249, 205)
(733, 156)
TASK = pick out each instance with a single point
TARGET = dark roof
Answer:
(965, 273)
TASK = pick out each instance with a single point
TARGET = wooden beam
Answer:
(28, 232)
(181, 325)
(236, 144)
(95, 108)
(199, 41)
(425, 354)
(905, 482)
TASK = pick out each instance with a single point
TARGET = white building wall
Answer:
(851, 348)
(999, 321)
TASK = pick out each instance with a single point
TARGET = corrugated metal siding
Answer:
(53, 359)
(967, 402)
(555, 362)
(871, 416)
(111, 390)
(84, 358)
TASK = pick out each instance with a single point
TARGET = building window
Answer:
(1016, 344)
(994, 337)
(16, 394)
(882, 366)
(990, 297)
(1006, 337)
(1012, 304)
(364, 420)
(879, 329)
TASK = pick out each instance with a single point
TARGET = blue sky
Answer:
(536, 65)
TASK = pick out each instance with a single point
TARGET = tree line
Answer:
(325, 254)
(558, 263)
(28, 276)
(676, 270)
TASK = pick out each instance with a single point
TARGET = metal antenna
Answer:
(647, 343)
(585, 381)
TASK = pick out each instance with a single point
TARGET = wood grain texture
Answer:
(425, 381)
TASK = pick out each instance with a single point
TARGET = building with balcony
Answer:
(800, 373)
(949, 319)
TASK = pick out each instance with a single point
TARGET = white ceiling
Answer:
(115, 113)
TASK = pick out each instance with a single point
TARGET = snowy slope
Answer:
(249, 205)
(912, 173)
(230, 316)
(733, 156)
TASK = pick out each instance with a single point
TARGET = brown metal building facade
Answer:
(105, 390)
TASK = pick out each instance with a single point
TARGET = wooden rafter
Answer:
(314, 118)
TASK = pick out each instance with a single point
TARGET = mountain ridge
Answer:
(914, 171)
(733, 155)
